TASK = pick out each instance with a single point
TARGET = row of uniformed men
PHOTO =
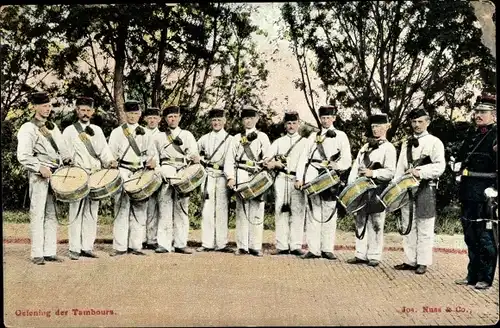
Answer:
(230, 161)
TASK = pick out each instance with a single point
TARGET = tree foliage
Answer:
(391, 56)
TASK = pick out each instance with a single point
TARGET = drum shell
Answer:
(321, 183)
(71, 196)
(192, 182)
(398, 191)
(147, 190)
(255, 187)
(107, 190)
(353, 192)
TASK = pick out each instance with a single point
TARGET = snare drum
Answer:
(351, 198)
(395, 195)
(142, 184)
(189, 179)
(255, 187)
(321, 183)
(104, 183)
(70, 184)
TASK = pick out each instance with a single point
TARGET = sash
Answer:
(86, 141)
(131, 140)
(217, 148)
(46, 133)
(171, 140)
(319, 146)
(247, 149)
(294, 144)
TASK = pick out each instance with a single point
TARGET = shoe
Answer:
(463, 282)
(53, 258)
(297, 252)
(183, 250)
(150, 246)
(405, 266)
(280, 252)
(136, 252)
(310, 255)
(225, 249)
(328, 255)
(373, 263)
(161, 249)
(255, 252)
(204, 249)
(421, 269)
(89, 254)
(74, 255)
(482, 285)
(241, 251)
(117, 253)
(38, 261)
(357, 260)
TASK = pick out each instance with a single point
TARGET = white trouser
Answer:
(419, 242)
(321, 236)
(289, 226)
(43, 222)
(173, 222)
(152, 220)
(82, 228)
(215, 213)
(372, 245)
(249, 224)
(131, 217)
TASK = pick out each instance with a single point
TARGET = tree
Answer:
(393, 56)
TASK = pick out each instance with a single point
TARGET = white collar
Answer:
(152, 130)
(133, 126)
(296, 134)
(423, 134)
(176, 130)
(220, 132)
(248, 131)
(323, 130)
(84, 125)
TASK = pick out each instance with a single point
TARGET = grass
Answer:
(447, 223)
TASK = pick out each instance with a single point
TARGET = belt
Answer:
(324, 162)
(167, 160)
(248, 163)
(214, 166)
(467, 173)
(248, 169)
(287, 172)
(132, 163)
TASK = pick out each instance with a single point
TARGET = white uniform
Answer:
(83, 214)
(289, 225)
(320, 235)
(130, 216)
(34, 150)
(249, 214)
(173, 222)
(372, 245)
(152, 210)
(419, 242)
(215, 211)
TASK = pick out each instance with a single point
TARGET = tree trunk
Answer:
(118, 88)
(159, 68)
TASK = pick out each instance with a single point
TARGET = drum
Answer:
(189, 178)
(321, 183)
(104, 183)
(351, 198)
(395, 195)
(70, 184)
(142, 184)
(255, 187)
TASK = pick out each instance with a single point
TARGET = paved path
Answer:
(216, 289)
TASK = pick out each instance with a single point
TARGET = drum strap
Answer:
(46, 133)
(86, 141)
(312, 213)
(131, 140)
(248, 151)
(361, 235)
(410, 217)
(171, 140)
(217, 148)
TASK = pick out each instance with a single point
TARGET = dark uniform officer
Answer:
(478, 172)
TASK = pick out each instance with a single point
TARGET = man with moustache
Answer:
(290, 203)
(422, 155)
(479, 171)
(87, 144)
(177, 148)
(240, 166)
(329, 150)
(213, 148)
(152, 118)
(41, 150)
(134, 154)
(376, 160)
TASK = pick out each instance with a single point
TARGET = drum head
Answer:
(396, 195)
(103, 178)
(187, 173)
(138, 180)
(67, 180)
